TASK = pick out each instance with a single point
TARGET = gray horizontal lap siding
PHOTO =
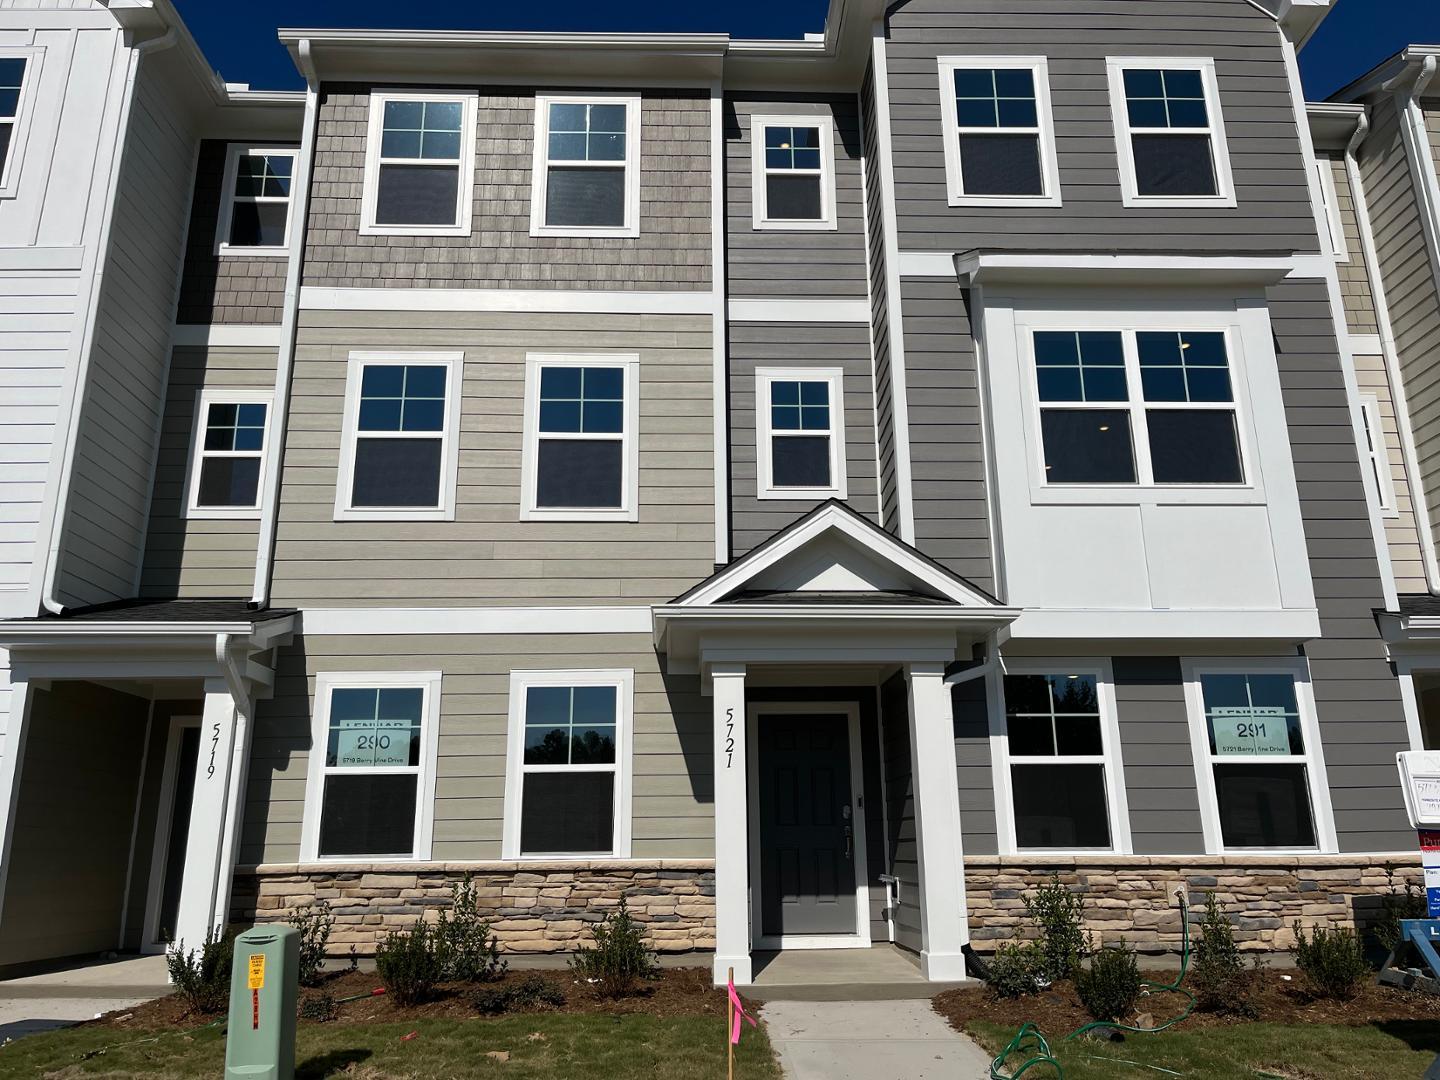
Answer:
(487, 554)
(673, 780)
(901, 849)
(1160, 782)
(974, 768)
(753, 345)
(1270, 178)
(188, 557)
(947, 442)
(224, 288)
(794, 263)
(879, 308)
(1362, 725)
(671, 252)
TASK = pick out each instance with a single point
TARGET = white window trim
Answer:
(1314, 758)
(1049, 162)
(623, 679)
(764, 483)
(1129, 323)
(1378, 453)
(1330, 196)
(629, 363)
(539, 184)
(454, 362)
(227, 203)
(1116, 795)
(760, 200)
(24, 113)
(191, 508)
(465, 196)
(317, 771)
(1116, 66)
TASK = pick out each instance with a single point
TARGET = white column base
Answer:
(943, 967)
(744, 974)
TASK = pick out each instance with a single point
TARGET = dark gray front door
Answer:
(807, 862)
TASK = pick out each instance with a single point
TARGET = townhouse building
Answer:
(817, 489)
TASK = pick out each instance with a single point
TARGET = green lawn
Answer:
(614, 1047)
(1296, 1052)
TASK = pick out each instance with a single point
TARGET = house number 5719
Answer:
(729, 737)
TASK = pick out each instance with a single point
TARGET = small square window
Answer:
(800, 434)
(793, 172)
(999, 135)
(256, 201)
(228, 460)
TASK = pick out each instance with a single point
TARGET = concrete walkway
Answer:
(870, 1040)
(61, 998)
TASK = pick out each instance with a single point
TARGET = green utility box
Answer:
(264, 986)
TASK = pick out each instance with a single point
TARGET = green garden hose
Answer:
(1030, 1041)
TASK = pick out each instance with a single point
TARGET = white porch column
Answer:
(14, 727)
(732, 817)
(944, 920)
(209, 827)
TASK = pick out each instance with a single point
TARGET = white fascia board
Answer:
(831, 518)
(1044, 268)
(1120, 625)
(542, 301)
(536, 620)
(189, 335)
(927, 264)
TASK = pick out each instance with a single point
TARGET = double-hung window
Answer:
(800, 433)
(371, 780)
(580, 459)
(19, 70)
(227, 466)
(999, 131)
(1149, 407)
(1066, 787)
(1170, 133)
(793, 172)
(568, 785)
(401, 430)
(419, 164)
(255, 201)
(1253, 739)
(587, 166)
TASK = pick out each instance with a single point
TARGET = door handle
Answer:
(849, 841)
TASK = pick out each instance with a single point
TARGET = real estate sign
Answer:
(1250, 731)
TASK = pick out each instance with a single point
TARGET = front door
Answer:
(807, 829)
(176, 827)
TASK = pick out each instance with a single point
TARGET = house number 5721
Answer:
(729, 737)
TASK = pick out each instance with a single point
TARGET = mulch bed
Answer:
(675, 992)
(1277, 1000)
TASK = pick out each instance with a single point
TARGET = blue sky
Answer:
(239, 39)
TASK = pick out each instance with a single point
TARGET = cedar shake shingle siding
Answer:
(671, 252)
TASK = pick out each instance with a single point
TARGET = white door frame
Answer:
(861, 938)
(164, 817)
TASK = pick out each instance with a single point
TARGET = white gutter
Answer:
(289, 326)
(65, 476)
(1391, 353)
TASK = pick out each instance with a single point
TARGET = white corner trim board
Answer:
(540, 301)
(198, 335)
(374, 621)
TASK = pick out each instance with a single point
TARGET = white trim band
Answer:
(803, 311)
(549, 301)
(201, 335)
(376, 621)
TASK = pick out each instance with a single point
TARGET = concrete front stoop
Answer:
(882, 973)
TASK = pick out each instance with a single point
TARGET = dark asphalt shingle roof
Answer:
(197, 611)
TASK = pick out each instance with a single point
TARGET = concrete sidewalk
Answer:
(60, 998)
(870, 1040)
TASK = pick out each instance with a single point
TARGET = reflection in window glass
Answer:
(998, 116)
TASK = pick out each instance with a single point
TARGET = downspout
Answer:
(231, 668)
(1391, 353)
(289, 325)
(78, 397)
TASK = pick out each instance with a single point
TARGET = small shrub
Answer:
(528, 994)
(319, 1008)
(201, 977)
(314, 921)
(471, 953)
(620, 958)
(409, 964)
(1060, 915)
(1397, 905)
(1332, 962)
(1017, 970)
(1110, 986)
(1218, 974)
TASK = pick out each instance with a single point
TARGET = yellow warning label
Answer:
(257, 971)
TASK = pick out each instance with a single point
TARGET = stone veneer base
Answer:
(547, 907)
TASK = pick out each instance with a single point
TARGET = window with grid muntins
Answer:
(998, 119)
(400, 432)
(580, 451)
(260, 207)
(371, 775)
(231, 454)
(586, 164)
(794, 174)
(12, 82)
(800, 434)
(419, 180)
(1170, 132)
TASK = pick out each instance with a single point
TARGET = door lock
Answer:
(849, 841)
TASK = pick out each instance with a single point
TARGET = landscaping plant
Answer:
(1110, 986)
(201, 977)
(1397, 905)
(620, 958)
(528, 994)
(1016, 970)
(1332, 962)
(1218, 974)
(314, 921)
(471, 953)
(1060, 914)
(410, 964)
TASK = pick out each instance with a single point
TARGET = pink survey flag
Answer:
(737, 1015)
